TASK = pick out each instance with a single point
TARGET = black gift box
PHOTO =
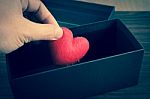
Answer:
(113, 62)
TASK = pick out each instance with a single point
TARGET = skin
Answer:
(15, 30)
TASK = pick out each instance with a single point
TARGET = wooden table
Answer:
(139, 24)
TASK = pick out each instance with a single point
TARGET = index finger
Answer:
(40, 9)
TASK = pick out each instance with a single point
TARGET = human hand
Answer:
(15, 30)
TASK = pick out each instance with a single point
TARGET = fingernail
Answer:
(58, 33)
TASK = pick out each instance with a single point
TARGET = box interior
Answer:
(75, 13)
(106, 39)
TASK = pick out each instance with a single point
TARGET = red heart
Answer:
(68, 50)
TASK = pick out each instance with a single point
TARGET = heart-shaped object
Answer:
(68, 50)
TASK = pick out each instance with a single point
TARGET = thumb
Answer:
(35, 31)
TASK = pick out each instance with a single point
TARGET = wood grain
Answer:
(139, 24)
(125, 5)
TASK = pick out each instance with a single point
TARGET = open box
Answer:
(113, 62)
(70, 13)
